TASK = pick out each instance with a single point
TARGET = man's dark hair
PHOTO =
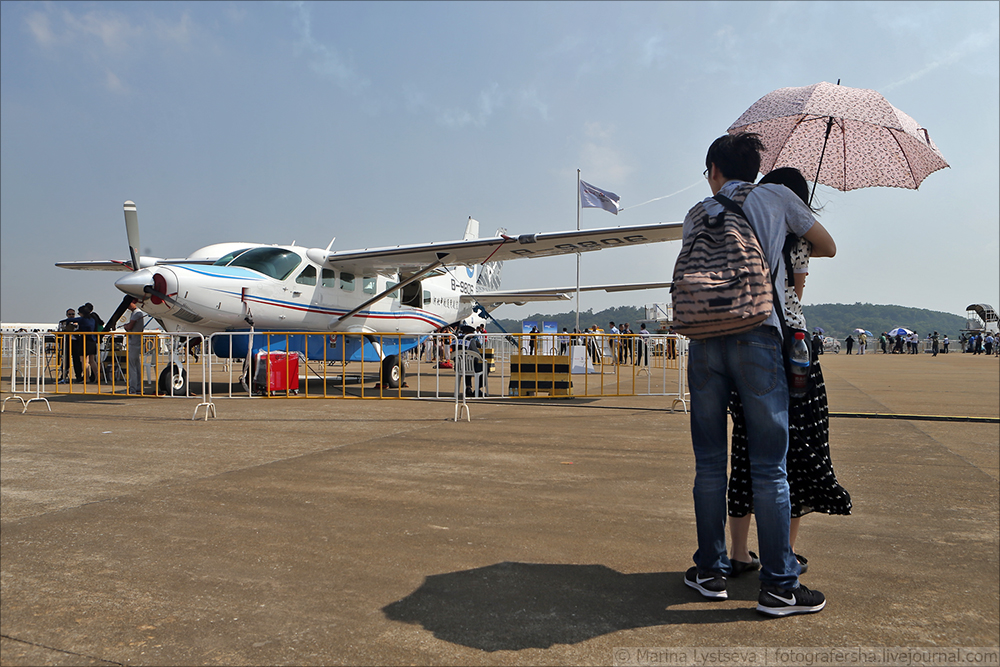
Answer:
(737, 156)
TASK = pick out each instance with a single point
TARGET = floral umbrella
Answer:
(847, 138)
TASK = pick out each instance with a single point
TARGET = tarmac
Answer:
(543, 532)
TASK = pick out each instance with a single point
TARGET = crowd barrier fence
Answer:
(303, 365)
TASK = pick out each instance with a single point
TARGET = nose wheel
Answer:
(392, 372)
(173, 381)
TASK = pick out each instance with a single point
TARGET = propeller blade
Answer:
(132, 230)
(122, 307)
(149, 289)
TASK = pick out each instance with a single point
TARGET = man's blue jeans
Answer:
(752, 364)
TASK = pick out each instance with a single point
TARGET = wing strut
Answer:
(412, 279)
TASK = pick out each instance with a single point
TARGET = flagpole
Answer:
(578, 254)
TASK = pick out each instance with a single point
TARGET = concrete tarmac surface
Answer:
(543, 532)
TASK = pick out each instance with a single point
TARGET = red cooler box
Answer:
(281, 369)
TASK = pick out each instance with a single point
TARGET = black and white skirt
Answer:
(813, 486)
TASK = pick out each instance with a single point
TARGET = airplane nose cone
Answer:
(134, 282)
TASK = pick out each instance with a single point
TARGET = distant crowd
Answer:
(970, 343)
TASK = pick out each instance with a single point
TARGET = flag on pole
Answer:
(591, 197)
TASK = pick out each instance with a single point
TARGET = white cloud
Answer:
(113, 83)
(38, 25)
(113, 29)
(530, 100)
(324, 60)
(973, 43)
(601, 159)
(489, 100)
(180, 32)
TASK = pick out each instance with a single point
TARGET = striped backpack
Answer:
(722, 280)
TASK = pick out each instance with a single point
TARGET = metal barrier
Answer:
(27, 354)
(338, 365)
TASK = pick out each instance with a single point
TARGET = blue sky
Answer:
(381, 123)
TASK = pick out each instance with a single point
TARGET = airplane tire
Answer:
(392, 372)
(173, 381)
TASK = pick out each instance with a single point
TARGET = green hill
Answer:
(836, 319)
(840, 320)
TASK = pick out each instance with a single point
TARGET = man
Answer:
(644, 335)
(934, 344)
(613, 341)
(68, 353)
(135, 324)
(750, 363)
(564, 342)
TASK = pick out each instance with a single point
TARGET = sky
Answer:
(384, 123)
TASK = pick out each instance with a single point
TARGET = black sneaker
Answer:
(710, 584)
(775, 601)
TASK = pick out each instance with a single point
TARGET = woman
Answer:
(813, 487)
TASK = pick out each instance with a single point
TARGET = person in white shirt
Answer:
(136, 323)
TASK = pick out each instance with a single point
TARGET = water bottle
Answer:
(800, 366)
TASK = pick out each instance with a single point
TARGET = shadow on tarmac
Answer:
(513, 606)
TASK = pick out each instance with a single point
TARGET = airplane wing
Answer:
(492, 299)
(124, 264)
(97, 265)
(498, 248)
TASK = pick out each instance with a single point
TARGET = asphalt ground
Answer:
(541, 532)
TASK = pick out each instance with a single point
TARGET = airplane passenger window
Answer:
(347, 281)
(277, 263)
(328, 278)
(392, 295)
(369, 285)
(307, 277)
(427, 296)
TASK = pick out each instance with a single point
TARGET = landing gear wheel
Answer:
(392, 372)
(173, 381)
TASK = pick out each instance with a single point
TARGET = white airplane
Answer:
(408, 290)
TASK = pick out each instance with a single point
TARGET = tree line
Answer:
(836, 319)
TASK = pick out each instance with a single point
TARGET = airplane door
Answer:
(412, 295)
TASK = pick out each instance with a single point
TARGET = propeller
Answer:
(152, 291)
(132, 230)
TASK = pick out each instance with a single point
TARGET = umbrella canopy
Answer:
(819, 330)
(899, 331)
(863, 331)
(847, 138)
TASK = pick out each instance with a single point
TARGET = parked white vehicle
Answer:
(831, 344)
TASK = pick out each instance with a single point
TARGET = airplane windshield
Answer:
(225, 259)
(274, 262)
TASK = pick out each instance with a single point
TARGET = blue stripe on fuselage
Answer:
(237, 272)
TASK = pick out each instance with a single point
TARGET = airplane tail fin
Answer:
(471, 230)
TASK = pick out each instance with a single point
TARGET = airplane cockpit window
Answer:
(225, 259)
(328, 278)
(308, 276)
(274, 262)
(346, 281)
(368, 287)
